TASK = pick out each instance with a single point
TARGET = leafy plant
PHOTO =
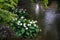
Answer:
(25, 28)
(21, 12)
(45, 3)
(6, 16)
(8, 4)
(5, 7)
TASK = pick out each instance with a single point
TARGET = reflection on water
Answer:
(49, 18)
(37, 9)
(50, 28)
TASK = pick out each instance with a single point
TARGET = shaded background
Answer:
(39, 15)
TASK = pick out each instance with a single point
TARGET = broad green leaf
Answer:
(22, 30)
(27, 33)
(31, 27)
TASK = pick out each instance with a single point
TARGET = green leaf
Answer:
(22, 30)
(37, 30)
(2, 0)
(16, 1)
(27, 33)
(1, 5)
(31, 27)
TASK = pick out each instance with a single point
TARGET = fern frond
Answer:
(6, 16)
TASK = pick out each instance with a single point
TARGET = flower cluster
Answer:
(21, 12)
(25, 28)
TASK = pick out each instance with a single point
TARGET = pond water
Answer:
(50, 25)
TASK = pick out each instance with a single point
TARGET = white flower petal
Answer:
(26, 28)
(31, 22)
(28, 24)
(35, 25)
(35, 21)
(20, 24)
(40, 29)
(15, 18)
(23, 11)
(18, 21)
(22, 17)
(24, 24)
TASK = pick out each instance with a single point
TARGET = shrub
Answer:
(21, 12)
(25, 28)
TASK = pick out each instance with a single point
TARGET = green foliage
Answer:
(25, 28)
(5, 7)
(45, 3)
(16, 1)
(2, 0)
(21, 12)
(21, 25)
(6, 4)
(6, 16)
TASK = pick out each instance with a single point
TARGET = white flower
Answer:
(31, 22)
(35, 21)
(34, 24)
(28, 24)
(20, 24)
(23, 11)
(22, 17)
(26, 28)
(18, 21)
(24, 24)
(40, 29)
(15, 18)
